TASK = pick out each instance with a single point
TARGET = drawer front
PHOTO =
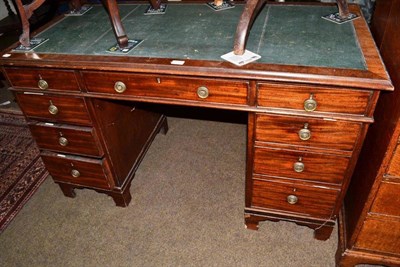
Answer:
(380, 235)
(43, 79)
(325, 134)
(67, 139)
(76, 170)
(394, 166)
(327, 99)
(309, 166)
(387, 200)
(305, 200)
(218, 91)
(68, 109)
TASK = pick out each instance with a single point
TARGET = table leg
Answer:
(119, 31)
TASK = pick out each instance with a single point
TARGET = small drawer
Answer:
(306, 200)
(54, 108)
(394, 166)
(300, 165)
(67, 139)
(76, 170)
(313, 98)
(207, 90)
(387, 200)
(309, 132)
(380, 235)
(42, 79)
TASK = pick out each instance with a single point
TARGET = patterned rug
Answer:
(21, 169)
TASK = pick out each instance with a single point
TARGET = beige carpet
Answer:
(187, 210)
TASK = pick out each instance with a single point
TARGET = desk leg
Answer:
(119, 31)
(68, 190)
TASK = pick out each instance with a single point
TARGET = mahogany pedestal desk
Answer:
(309, 99)
(370, 219)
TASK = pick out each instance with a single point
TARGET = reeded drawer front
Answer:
(380, 235)
(300, 165)
(310, 132)
(289, 197)
(208, 90)
(54, 108)
(323, 99)
(43, 79)
(394, 166)
(76, 170)
(67, 139)
(387, 200)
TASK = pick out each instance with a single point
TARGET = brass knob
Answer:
(119, 87)
(310, 104)
(63, 141)
(53, 109)
(299, 165)
(202, 92)
(75, 173)
(42, 84)
(305, 133)
(292, 199)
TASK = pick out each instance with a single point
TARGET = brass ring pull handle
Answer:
(75, 173)
(202, 92)
(63, 141)
(53, 109)
(299, 165)
(310, 104)
(305, 133)
(292, 199)
(119, 87)
(42, 84)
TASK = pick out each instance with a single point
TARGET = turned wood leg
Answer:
(67, 190)
(323, 233)
(119, 31)
(122, 199)
(247, 17)
(155, 4)
(25, 12)
(343, 8)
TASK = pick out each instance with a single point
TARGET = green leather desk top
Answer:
(290, 35)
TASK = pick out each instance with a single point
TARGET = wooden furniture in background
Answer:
(306, 123)
(370, 220)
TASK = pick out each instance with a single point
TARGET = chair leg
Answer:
(119, 31)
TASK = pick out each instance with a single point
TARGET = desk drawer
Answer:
(394, 166)
(325, 134)
(76, 170)
(67, 109)
(380, 235)
(283, 96)
(67, 139)
(309, 166)
(306, 200)
(387, 200)
(42, 79)
(208, 90)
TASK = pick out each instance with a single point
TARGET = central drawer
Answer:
(290, 197)
(300, 165)
(172, 87)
